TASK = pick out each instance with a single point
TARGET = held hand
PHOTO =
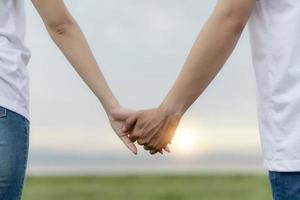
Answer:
(154, 128)
(118, 117)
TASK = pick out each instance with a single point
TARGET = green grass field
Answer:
(208, 187)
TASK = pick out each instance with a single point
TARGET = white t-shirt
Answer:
(14, 56)
(274, 28)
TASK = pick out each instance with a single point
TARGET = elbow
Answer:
(237, 25)
(61, 27)
(234, 20)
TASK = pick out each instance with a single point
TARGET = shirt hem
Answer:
(282, 165)
(15, 108)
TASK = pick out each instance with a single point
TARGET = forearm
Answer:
(74, 46)
(212, 48)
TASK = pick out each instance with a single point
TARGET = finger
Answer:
(134, 136)
(141, 142)
(129, 144)
(129, 124)
(171, 130)
(167, 149)
(165, 146)
(155, 142)
(153, 151)
(147, 148)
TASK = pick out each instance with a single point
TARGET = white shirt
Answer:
(274, 28)
(14, 56)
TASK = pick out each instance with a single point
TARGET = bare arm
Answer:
(212, 48)
(155, 128)
(67, 35)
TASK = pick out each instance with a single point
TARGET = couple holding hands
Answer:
(152, 128)
(273, 33)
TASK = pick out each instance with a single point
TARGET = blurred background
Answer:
(141, 47)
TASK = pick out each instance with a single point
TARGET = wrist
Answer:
(110, 104)
(172, 113)
(172, 109)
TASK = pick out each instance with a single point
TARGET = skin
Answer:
(67, 35)
(155, 128)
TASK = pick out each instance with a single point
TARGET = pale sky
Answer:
(141, 47)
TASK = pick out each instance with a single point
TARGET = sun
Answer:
(185, 141)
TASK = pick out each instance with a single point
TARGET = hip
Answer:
(285, 185)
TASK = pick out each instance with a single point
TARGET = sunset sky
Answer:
(141, 47)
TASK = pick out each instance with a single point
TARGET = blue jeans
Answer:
(14, 133)
(285, 185)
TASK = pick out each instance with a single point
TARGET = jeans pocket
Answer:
(2, 112)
